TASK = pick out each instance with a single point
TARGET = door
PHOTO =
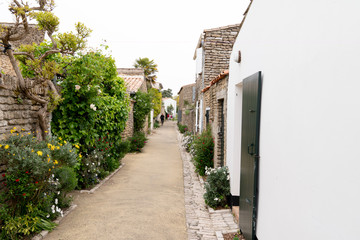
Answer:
(250, 155)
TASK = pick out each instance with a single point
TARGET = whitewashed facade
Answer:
(309, 172)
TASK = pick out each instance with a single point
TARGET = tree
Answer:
(149, 66)
(170, 109)
(167, 93)
(156, 100)
(38, 61)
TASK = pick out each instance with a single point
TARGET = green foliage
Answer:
(156, 124)
(217, 187)
(149, 66)
(137, 142)
(47, 21)
(182, 128)
(170, 109)
(142, 108)
(203, 153)
(89, 169)
(167, 93)
(95, 102)
(35, 187)
(156, 99)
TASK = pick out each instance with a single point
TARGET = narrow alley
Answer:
(144, 200)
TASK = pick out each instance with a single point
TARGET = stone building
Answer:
(215, 103)
(212, 56)
(134, 79)
(186, 112)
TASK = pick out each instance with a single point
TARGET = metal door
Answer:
(250, 155)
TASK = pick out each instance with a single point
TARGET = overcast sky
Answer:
(164, 30)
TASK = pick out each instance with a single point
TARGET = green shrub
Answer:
(32, 191)
(142, 107)
(137, 142)
(182, 128)
(203, 154)
(89, 169)
(94, 106)
(217, 187)
(156, 124)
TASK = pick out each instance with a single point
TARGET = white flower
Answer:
(228, 177)
(99, 91)
(58, 192)
(53, 211)
(88, 88)
(216, 199)
(92, 106)
(77, 87)
(47, 216)
(56, 201)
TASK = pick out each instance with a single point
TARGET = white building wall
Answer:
(309, 54)
(167, 102)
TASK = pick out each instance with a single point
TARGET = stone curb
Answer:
(102, 181)
(185, 155)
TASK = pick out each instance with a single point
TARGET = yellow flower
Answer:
(52, 147)
(14, 128)
(49, 145)
(39, 153)
(13, 154)
(12, 131)
(77, 146)
(49, 170)
(22, 129)
(49, 160)
(80, 156)
(57, 147)
(60, 144)
(17, 134)
(60, 138)
(6, 147)
(32, 150)
(69, 150)
(29, 133)
(0, 145)
(65, 142)
(56, 162)
(46, 131)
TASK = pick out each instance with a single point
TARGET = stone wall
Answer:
(215, 96)
(217, 46)
(129, 127)
(187, 106)
(15, 109)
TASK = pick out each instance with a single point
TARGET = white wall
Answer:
(167, 102)
(309, 54)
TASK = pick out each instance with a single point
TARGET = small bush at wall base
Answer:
(156, 124)
(203, 151)
(137, 142)
(217, 187)
(182, 128)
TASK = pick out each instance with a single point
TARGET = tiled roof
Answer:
(133, 77)
(216, 79)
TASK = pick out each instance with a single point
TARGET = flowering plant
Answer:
(31, 184)
(137, 142)
(217, 186)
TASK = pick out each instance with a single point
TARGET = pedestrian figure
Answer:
(162, 117)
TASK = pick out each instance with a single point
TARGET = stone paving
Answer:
(202, 223)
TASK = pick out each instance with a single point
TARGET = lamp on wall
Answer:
(237, 57)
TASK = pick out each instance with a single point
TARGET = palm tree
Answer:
(150, 68)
